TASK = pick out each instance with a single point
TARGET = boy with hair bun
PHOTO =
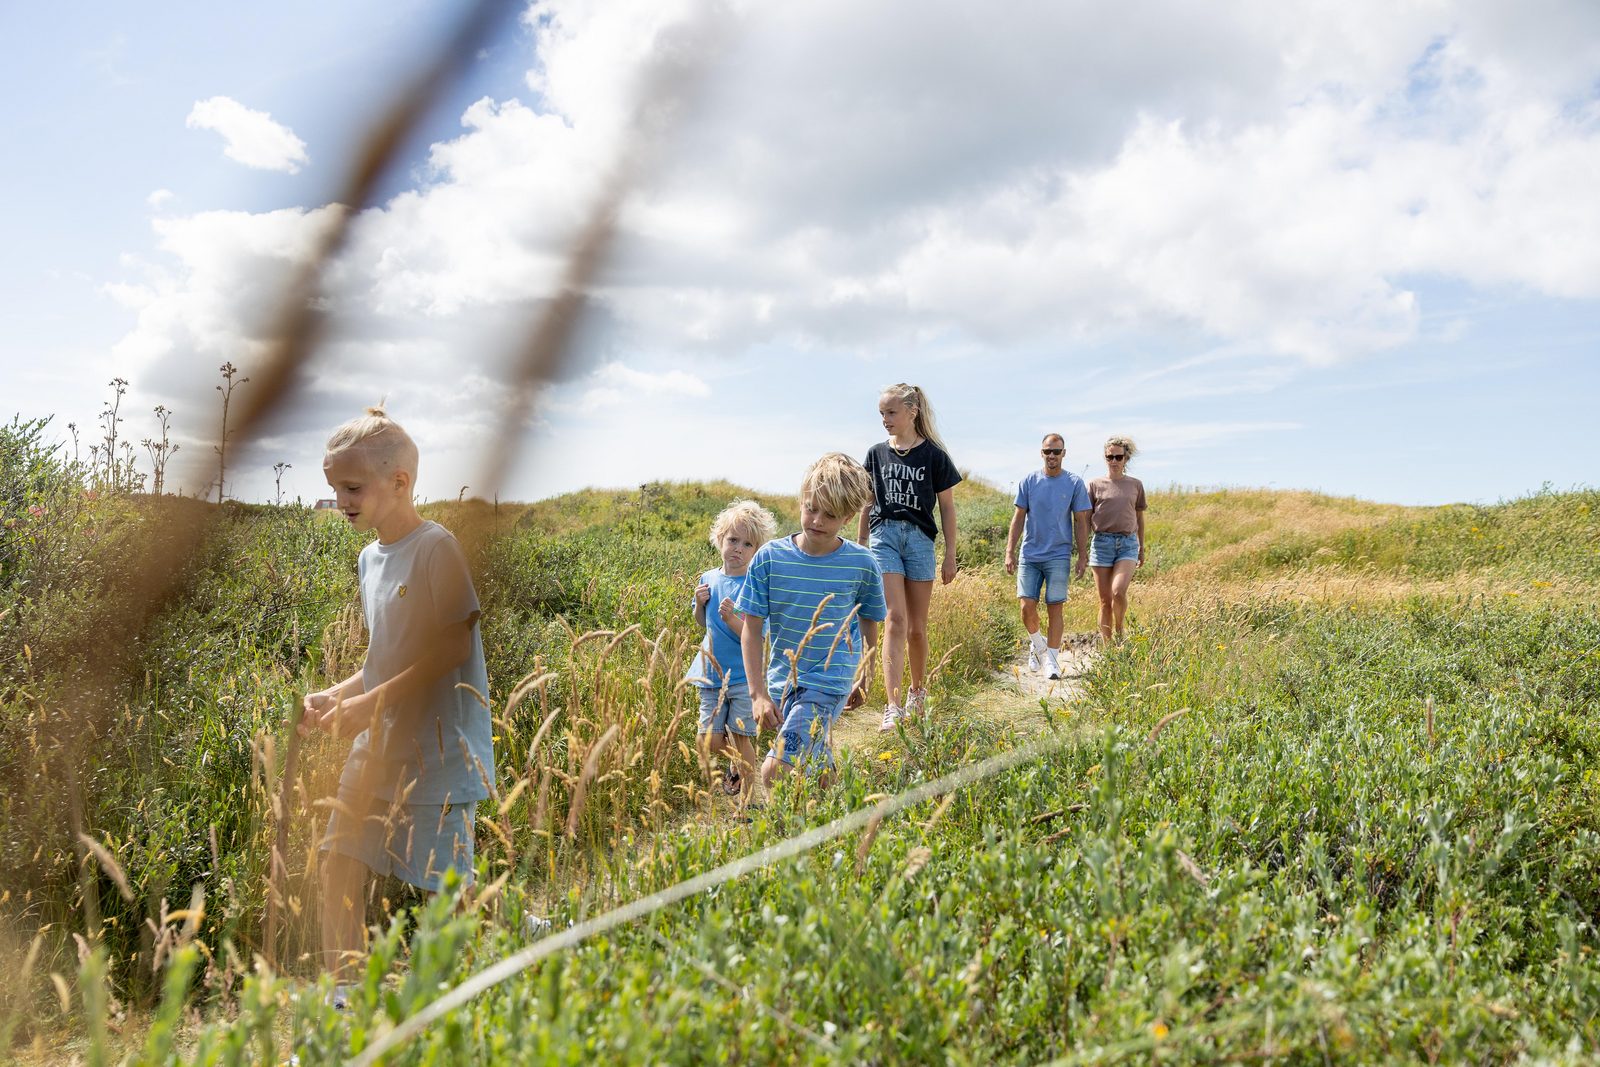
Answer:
(422, 756)
(718, 668)
(822, 599)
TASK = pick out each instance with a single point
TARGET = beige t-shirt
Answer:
(1115, 500)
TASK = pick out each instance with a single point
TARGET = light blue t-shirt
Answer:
(410, 591)
(1050, 504)
(720, 641)
(785, 587)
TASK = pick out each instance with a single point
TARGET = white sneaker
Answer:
(1033, 659)
(891, 718)
(1050, 662)
(916, 702)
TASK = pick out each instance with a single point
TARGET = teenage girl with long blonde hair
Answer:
(912, 475)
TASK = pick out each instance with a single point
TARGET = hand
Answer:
(1083, 565)
(702, 595)
(730, 614)
(1141, 557)
(1011, 563)
(766, 712)
(326, 712)
(947, 571)
(317, 711)
(857, 697)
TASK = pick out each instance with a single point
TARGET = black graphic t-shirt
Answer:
(907, 487)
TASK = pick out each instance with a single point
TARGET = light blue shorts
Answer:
(727, 712)
(807, 731)
(1050, 577)
(901, 547)
(1109, 549)
(417, 843)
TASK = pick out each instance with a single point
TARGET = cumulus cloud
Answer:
(953, 182)
(251, 137)
(614, 383)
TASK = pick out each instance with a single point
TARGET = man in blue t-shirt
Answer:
(1051, 505)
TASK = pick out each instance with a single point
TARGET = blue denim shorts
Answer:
(1050, 577)
(417, 843)
(1109, 549)
(727, 712)
(901, 547)
(806, 736)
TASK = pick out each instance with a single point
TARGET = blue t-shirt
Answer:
(1050, 504)
(785, 587)
(721, 642)
(410, 591)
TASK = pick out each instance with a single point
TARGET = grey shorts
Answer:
(417, 843)
(727, 712)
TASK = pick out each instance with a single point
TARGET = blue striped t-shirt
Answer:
(785, 587)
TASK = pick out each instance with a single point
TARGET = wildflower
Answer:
(886, 755)
(1222, 648)
(1159, 1030)
(1541, 585)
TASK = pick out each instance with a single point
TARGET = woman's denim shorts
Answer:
(901, 547)
(1109, 549)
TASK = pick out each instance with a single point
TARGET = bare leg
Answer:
(918, 596)
(1057, 624)
(710, 746)
(894, 637)
(1030, 616)
(744, 761)
(344, 912)
(1102, 587)
(1121, 575)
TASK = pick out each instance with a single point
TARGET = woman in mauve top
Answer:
(1117, 547)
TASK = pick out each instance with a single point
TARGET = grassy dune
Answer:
(1337, 799)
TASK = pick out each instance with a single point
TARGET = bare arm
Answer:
(1080, 534)
(702, 596)
(1140, 516)
(356, 711)
(753, 647)
(1018, 517)
(947, 523)
(861, 528)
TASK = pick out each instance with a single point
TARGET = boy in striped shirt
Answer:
(822, 597)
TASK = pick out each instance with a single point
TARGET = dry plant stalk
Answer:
(575, 809)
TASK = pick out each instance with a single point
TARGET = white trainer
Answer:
(1052, 663)
(916, 702)
(891, 718)
(1033, 659)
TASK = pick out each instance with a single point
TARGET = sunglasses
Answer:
(1052, 451)
(1117, 459)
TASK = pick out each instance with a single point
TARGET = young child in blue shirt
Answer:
(822, 599)
(422, 756)
(726, 718)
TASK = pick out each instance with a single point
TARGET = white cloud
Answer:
(614, 384)
(924, 179)
(252, 137)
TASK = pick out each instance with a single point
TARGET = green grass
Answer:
(1372, 833)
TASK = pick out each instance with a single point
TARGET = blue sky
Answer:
(1352, 250)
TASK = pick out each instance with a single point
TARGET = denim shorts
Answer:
(901, 547)
(1109, 549)
(417, 843)
(807, 731)
(1049, 576)
(726, 712)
